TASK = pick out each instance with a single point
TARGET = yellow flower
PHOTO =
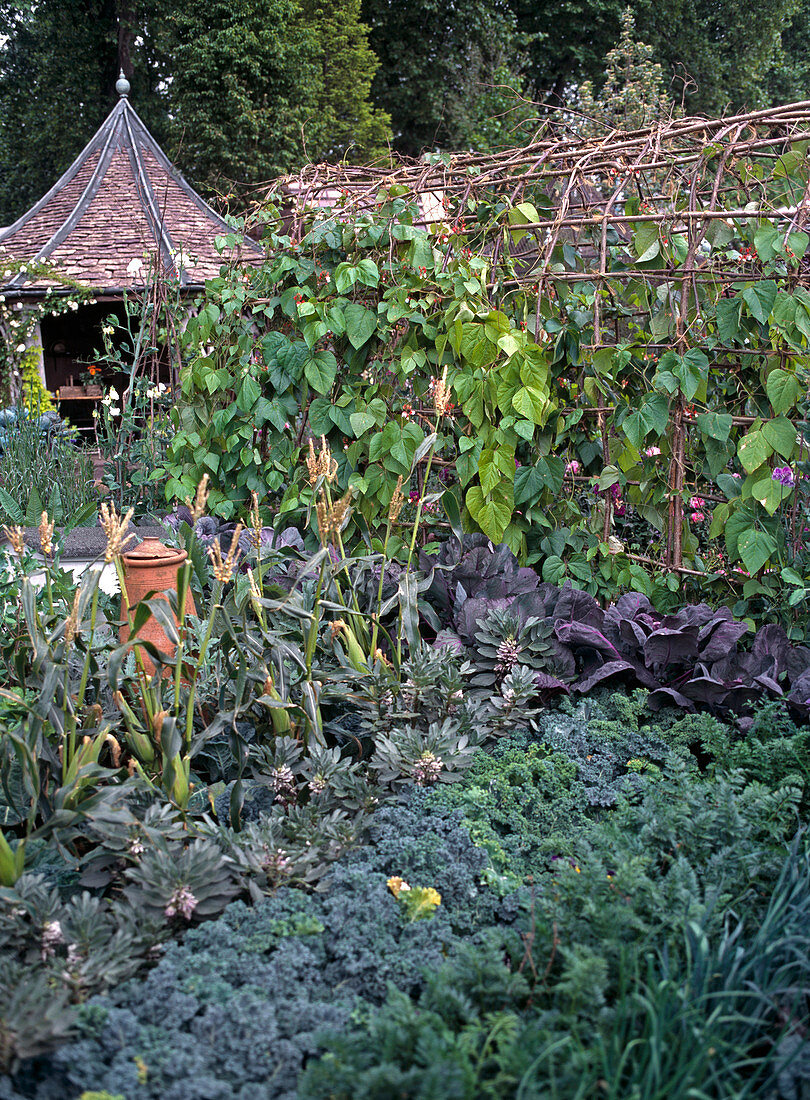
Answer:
(418, 902)
(396, 885)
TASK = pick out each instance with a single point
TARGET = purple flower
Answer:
(784, 475)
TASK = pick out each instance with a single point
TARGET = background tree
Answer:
(427, 51)
(567, 42)
(728, 49)
(492, 108)
(261, 87)
(632, 94)
(241, 88)
(343, 122)
(58, 67)
(789, 79)
(715, 54)
(236, 93)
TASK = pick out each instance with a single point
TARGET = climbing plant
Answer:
(19, 319)
(624, 332)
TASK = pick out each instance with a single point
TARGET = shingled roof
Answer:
(120, 203)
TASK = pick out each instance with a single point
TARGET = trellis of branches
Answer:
(650, 228)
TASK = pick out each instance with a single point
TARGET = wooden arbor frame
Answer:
(686, 174)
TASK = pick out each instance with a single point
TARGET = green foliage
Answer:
(475, 1032)
(347, 344)
(281, 970)
(637, 921)
(662, 873)
(708, 52)
(632, 94)
(435, 64)
(43, 469)
(348, 333)
(237, 95)
(35, 397)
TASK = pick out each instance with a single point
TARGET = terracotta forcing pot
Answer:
(152, 567)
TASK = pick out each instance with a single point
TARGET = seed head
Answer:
(441, 394)
(15, 537)
(46, 535)
(72, 620)
(321, 465)
(197, 509)
(312, 464)
(225, 569)
(331, 516)
(322, 514)
(338, 512)
(397, 500)
(114, 527)
(255, 522)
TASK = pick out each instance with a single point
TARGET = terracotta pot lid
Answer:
(152, 552)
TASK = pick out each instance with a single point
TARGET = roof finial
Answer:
(122, 85)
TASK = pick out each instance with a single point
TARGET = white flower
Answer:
(134, 266)
(114, 411)
(20, 349)
(73, 305)
(112, 393)
(108, 330)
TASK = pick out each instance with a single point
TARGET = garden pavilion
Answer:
(120, 214)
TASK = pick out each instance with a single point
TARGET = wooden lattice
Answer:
(685, 175)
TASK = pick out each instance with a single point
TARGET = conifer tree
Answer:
(241, 89)
(236, 92)
(633, 92)
(344, 123)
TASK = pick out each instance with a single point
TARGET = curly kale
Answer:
(235, 1009)
(551, 900)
